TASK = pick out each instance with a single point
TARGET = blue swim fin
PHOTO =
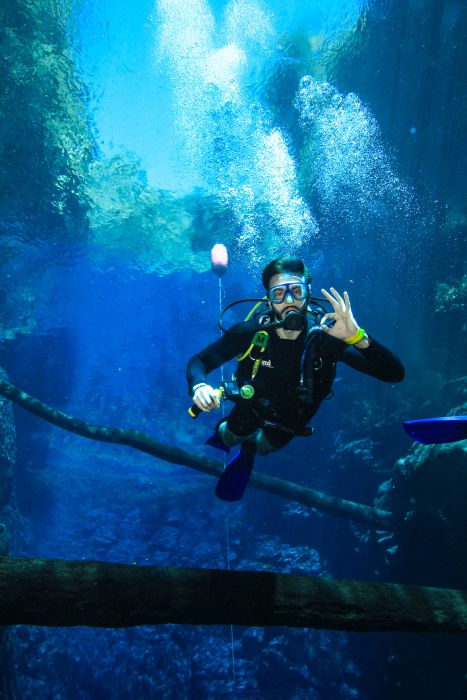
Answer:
(234, 480)
(435, 431)
(216, 441)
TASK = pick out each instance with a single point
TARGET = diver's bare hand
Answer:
(345, 325)
(206, 398)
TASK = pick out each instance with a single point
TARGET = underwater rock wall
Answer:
(7, 463)
(428, 491)
(45, 142)
(7, 451)
(154, 230)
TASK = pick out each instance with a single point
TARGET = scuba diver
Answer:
(287, 353)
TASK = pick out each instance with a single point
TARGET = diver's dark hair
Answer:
(285, 264)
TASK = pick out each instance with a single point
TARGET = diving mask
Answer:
(297, 290)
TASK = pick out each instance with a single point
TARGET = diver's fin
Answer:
(434, 431)
(216, 441)
(234, 480)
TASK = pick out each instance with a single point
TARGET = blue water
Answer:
(329, 130)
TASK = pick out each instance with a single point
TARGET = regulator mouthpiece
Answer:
(294, 321)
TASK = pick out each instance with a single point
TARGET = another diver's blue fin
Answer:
(434, 431)
(234, 480)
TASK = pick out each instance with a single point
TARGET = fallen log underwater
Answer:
(56, 593)
(372, 517)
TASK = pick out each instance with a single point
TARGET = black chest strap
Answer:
(318, 366)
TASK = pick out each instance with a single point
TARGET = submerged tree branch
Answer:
(99, 594)
(140, 441)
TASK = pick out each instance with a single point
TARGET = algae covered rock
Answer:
(46, 140)
(428, 492)
(151, 229)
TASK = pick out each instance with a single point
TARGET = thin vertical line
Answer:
(227, 517)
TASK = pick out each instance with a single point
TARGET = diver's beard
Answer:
(292, 309)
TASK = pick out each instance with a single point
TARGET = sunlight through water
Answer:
(349, 171)
(225, 132)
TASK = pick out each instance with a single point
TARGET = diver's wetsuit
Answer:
(280, 405)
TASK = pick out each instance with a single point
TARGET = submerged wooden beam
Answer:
(357, 512)
(98, 594)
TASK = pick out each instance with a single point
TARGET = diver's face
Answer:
(287, 293)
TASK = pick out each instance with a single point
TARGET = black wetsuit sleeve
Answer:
(375, 360)
(215, 355)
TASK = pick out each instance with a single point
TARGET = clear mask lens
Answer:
(277, 294)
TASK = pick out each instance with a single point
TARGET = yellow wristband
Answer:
(359, 335)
